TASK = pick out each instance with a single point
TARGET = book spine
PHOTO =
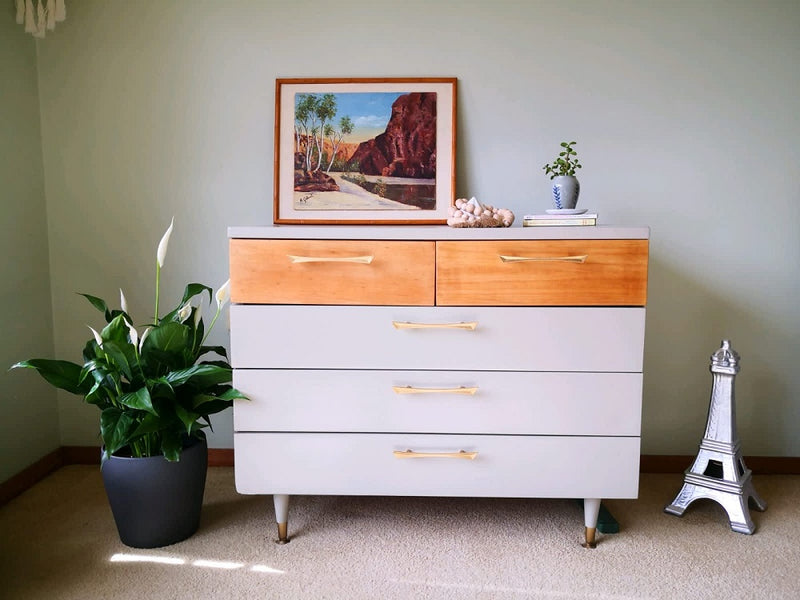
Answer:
(557, 222)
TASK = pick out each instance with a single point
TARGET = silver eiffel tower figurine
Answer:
(719, 473)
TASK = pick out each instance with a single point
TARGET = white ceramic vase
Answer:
(565, 191)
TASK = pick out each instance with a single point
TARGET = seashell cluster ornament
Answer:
(471, 213)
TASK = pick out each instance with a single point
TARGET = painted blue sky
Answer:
(369, 111)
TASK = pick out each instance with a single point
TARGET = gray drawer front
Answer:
(506, 339)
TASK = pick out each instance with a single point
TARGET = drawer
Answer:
(508, 466)
(542, 273)
(332, 272)
(398, 337)
(491, 402)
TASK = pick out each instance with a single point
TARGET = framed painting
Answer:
(364, 151)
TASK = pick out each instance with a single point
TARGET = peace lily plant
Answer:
(152, 389)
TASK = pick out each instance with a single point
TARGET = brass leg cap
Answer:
(590, 538)
(283, 537)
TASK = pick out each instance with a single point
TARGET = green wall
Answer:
(29, 426)
(684, 113)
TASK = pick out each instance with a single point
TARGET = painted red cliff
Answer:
(408, 146)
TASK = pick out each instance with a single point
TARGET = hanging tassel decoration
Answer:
(39, 15)
(61, 10)
(30, 23)
(50, 11)
(41, 22)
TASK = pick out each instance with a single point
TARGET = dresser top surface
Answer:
(439, 232)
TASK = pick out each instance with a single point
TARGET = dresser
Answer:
(430, 361)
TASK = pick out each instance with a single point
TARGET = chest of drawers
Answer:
(428, 361)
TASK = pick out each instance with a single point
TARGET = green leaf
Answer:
(116, 428)
(117, 312)
(192, 290)
(227, 396)
(103, 385)
(218, 363)
(164, 348)
(139, 399)
(149, 424)
(161, 388)
(170, 337)
(91, 350)
(202, 375)
(116, 330)
(88, 370)
(99, 396)
(201, 399)
(122, 356)
(213, 407)
(218, 401)
(187, 417)
(233, 394)
(99, 304)
(216, 349)
(62, 374)
(171, 445)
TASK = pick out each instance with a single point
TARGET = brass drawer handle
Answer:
(471, 325)
(363, 260)
(573, 259)
(412, 454)
(408, 389)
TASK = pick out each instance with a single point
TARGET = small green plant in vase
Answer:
(565, 186)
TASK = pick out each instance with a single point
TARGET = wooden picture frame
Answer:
(386, 157)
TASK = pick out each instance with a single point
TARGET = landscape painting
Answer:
(364, 151)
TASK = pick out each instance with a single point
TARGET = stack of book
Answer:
(557, 220)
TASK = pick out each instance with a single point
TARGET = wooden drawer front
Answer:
(504, 339)
(437, 402)
(332, 272)
(510, 466)
(542, 273)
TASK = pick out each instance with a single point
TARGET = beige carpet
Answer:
(58, 540)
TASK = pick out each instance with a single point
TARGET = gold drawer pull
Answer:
(573, 259)
(408, 389)
(405, 325)
(364, 260)
(412, 454)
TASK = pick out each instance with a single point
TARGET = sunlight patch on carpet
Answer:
(165, 560)
(217, 564)
(204, 563)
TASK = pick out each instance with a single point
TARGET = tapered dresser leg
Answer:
(281, 502)
(591, 508)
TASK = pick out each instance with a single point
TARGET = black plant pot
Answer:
(156, 502)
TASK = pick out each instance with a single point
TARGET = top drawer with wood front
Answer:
(542, 272)
(346, 272)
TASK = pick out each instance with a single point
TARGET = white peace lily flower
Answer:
(97, 337)
(144, 337)
(198, 314)
(162, 245)
(223, 294)
(132, 333)
(184, 312)
(122, 301)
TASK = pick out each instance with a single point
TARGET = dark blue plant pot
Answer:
(156, 502)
